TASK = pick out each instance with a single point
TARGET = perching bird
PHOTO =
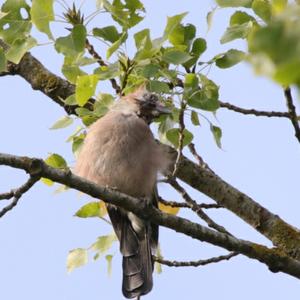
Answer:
(120, 152)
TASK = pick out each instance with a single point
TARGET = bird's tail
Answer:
(137, 261)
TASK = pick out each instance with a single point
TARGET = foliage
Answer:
(170, 65)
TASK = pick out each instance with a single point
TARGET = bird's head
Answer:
(146, 104)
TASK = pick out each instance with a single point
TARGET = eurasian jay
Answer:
(120, 152)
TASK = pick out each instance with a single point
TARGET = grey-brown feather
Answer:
(120, 151)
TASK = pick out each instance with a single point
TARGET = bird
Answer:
(121, 152)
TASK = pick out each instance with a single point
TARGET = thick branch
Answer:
(273, 258)
(292, 112)
(279, 232)
(283, 235)
(194, 263)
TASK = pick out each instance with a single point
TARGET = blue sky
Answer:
(259, 157)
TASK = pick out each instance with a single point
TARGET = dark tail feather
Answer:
(137, 262)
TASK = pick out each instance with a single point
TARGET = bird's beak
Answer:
(162, 109)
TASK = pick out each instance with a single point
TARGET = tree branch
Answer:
(275, 259)
(283, 235)
(18, 193)
(196, 263)
(186, 205)
(90, 48)
(258, 113)
(292, 112)
(195, 207)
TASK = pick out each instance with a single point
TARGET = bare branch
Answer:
(181, 136)
(196, 263)
(18, 193)
(186, 205)
(258, 113)
(7, 196)
(292, 112)
(283, 235)
(276, 260)
(90, 48)
(195, 207)
(199, 159)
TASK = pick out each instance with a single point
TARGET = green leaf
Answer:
(79, 37)
(109, 263)
(104, 243)
(116, 45)
(263, 9)
(3, 61)
(47, 181)
(41, 14)
(108, 33)
(199, 46)
(236, 32)
(175, 57)
(103, 103)
(72, 71)
(217, 133)
(74, 43)
(209, 18)
(142, 39)
(150, 70)
(158, 86)
(127, 14)
(288, 73)
(191, 81)
(174, 134)
(56, 161)
(19, 48)
(234, 3)
(77, 144)
(76, 258)
(13, 26)
(62, 123)
(229, 58)
(279, 5)
(109, 71)
(206, 98)
(240, 17)
(85, 88)
(195, 118)
(92, 209)
(182, 35)
(275, 48)
(172, 24)
(71, 100)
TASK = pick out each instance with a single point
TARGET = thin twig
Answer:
(197, 263)
(7, 196)
(199, 159)
(292, 112)
(258, 113)
(17, 194)
(255, 112)
(194, 206)
(181, 136)
(90, 48)
(186, 205)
